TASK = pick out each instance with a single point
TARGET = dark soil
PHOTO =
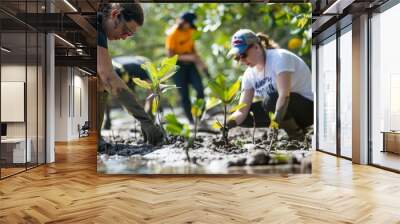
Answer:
(209, 154)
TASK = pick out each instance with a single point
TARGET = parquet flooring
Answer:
(70, 191)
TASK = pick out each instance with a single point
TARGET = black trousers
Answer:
(188, 74)
(299, 108)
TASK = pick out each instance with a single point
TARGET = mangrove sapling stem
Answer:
(187, 154)
(196, 120)
(225, 131)
(114, 141)
(254, 126)
(273, 137)
(190, 144)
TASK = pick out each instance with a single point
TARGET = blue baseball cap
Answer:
(241, 41)
(190, 18)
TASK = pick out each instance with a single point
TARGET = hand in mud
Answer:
(152, 134)
(274, 124)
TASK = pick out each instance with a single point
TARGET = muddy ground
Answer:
(124, 152)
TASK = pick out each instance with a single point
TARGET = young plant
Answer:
(158, 76)
(254, 126)
(273, 128)
(174, 127)
(197, 111)
(226, 95)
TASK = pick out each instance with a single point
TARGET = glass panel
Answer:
(346, 94)
(41, 99)
(31, 98)
(13, 86)
(327, 96)
(385, 89)
(32, 88)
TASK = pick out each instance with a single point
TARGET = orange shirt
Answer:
(180, 41)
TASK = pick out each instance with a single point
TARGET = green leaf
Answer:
(173, 129)
(171, 118)
(166, 88)
(220, 79)
(186, 131)
(168, 65)
(196, 112)
(151, 70)
(142, 83)
(216, 89)
(166, 77)
(217, 125)
(237, 107)
(199, 103)
(212, 102)
(233, 91)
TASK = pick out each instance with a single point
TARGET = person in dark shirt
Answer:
(116, 21)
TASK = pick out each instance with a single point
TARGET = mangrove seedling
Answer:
(158, 76)
(197, 111)
(226, 94)
(174, 127)
(273, 130)
(254, 126)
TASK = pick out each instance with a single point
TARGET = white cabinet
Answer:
(17, 146)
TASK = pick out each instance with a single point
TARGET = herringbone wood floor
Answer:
(70, 191)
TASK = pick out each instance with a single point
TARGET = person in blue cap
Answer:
(180, 41)
(277, 76)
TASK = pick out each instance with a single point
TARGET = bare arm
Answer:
(247, 98)
(283, 83)
(111, 81)
(117, 87)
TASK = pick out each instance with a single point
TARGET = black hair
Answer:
(128, 11)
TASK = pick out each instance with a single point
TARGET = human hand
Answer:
(273, 123)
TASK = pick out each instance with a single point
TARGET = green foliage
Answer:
(226, 94)
(216, 24)
(158, 76)
(174, 127)
(197, 108)
(254, 126)
(287, 24)
(197, 111)
(221, 90)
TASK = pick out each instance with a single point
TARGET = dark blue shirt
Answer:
(101, 35)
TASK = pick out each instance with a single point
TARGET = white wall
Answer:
(14, 73)
(71, 102)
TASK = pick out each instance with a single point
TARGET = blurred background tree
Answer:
(287, 24)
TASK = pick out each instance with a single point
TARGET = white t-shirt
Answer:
(278, 61)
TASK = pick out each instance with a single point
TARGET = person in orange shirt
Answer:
(180, 41)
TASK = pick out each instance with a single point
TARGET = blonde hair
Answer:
(266, 41)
